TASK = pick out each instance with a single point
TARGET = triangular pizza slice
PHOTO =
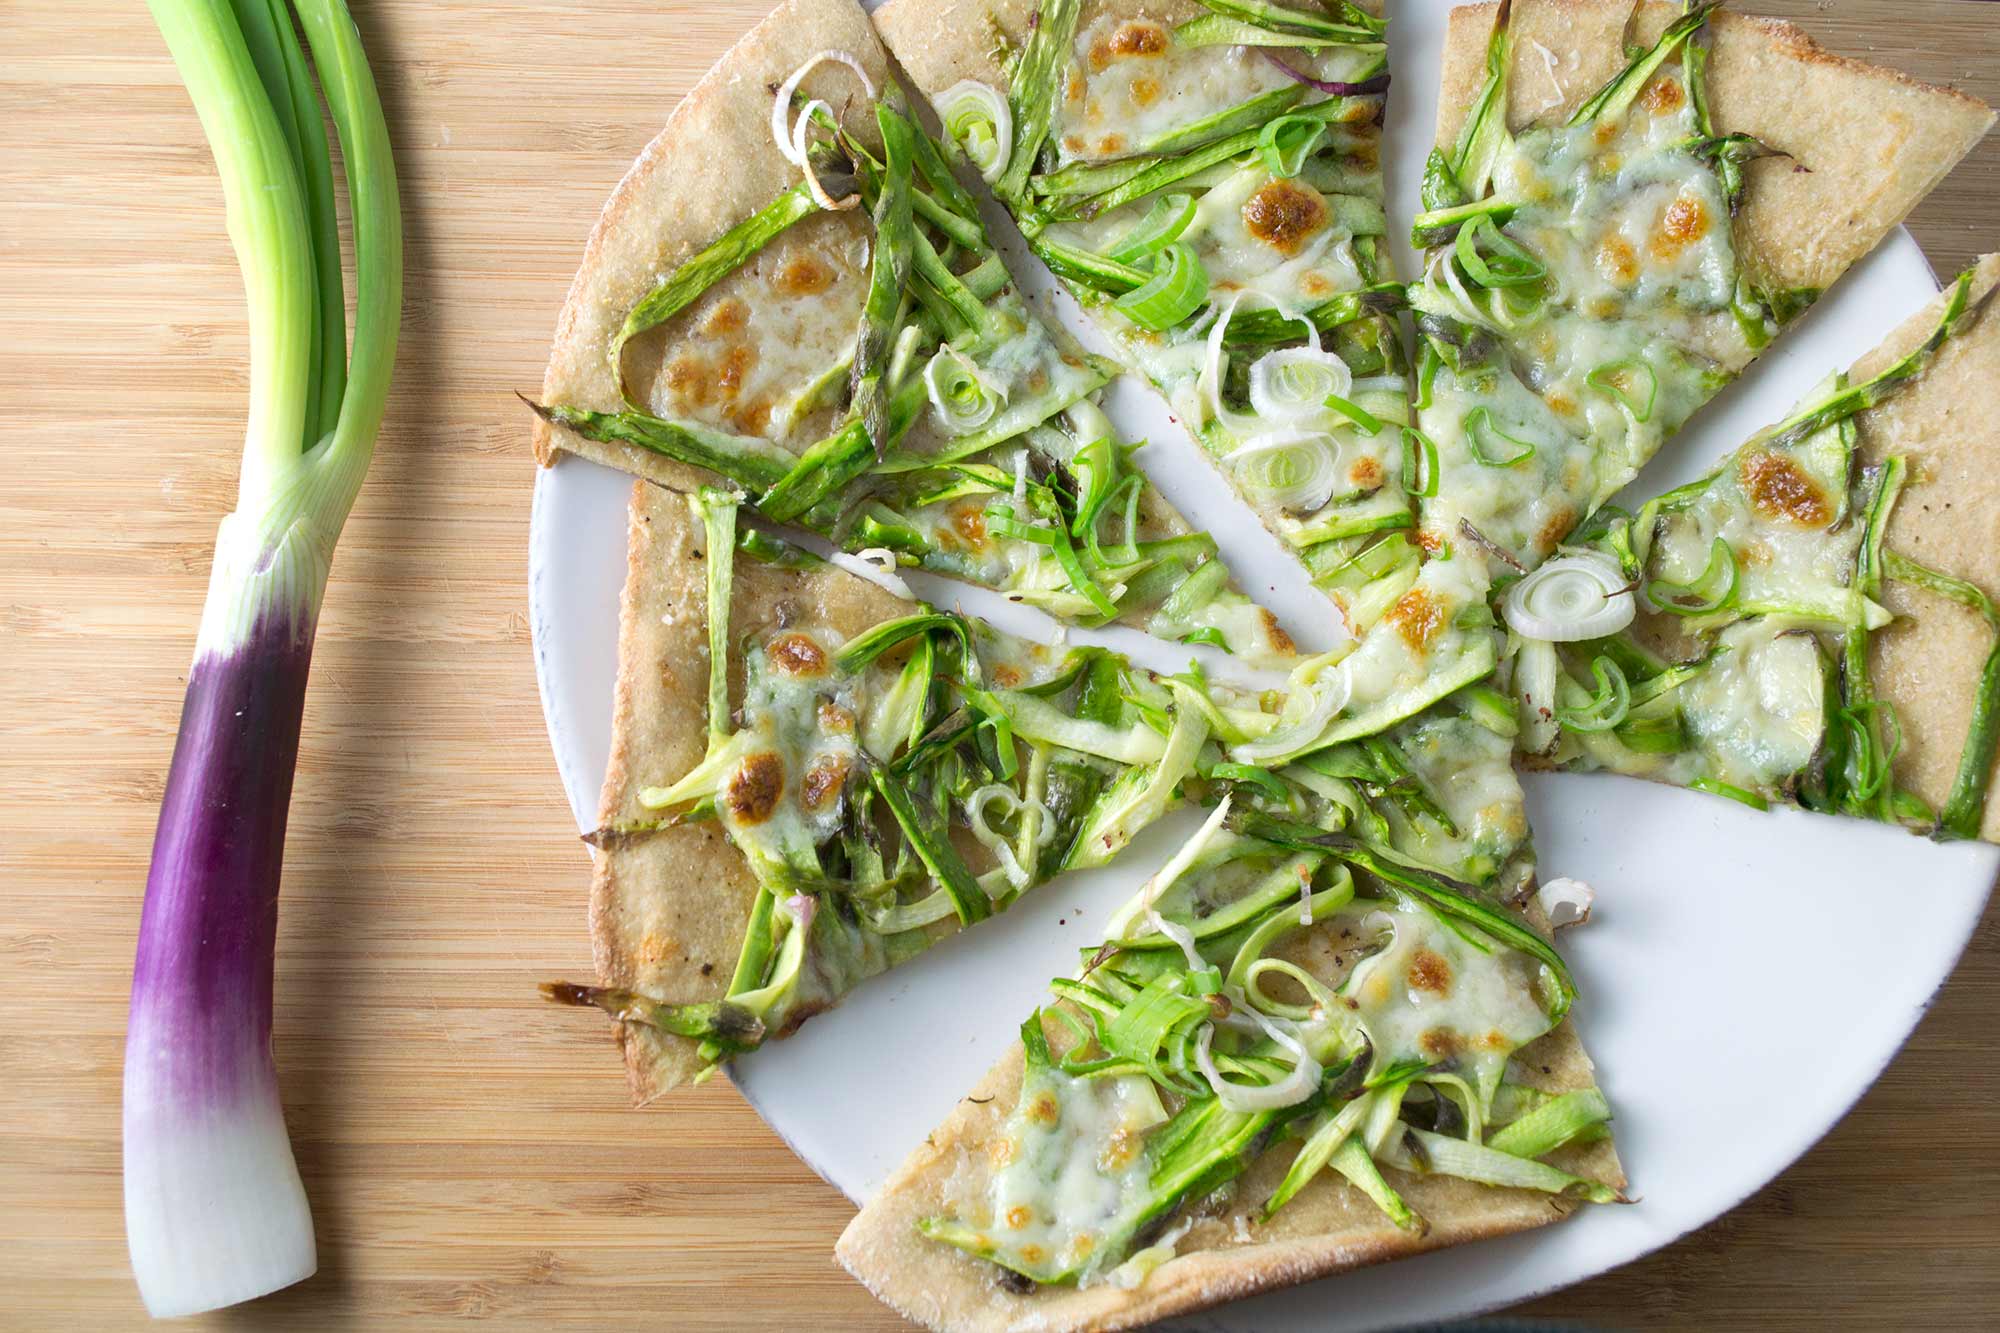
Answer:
(1808, 622)
(792, 294)
(1206, 180)
(813, 779)
(1626, 206)
(1294, 1053)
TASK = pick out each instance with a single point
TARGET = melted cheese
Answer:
(1635, 235)
(787, 793)
(1131, 83)
(1470, 772)
(742, 354)
(1070, 1171)
(1757, 713)
(1433, 998)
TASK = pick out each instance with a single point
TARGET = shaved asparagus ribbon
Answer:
(792, 141)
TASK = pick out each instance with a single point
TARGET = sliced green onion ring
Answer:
(1287, 141)
(965, 399)
(1162, 226)
(1714, 589)
(1296, 382)
(1571, 599)
(1480, 421)
(1623, 380)
(1176, 290)
(1509, 263)
(1294, 470)
(1326, 696)
(1608, 705)
(978, 118)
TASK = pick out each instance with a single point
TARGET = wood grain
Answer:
(468, 1153)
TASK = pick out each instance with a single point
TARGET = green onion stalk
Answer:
(215, 1211)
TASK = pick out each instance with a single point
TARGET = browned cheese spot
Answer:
(689, 379)
(1686, 222)
(1145, 90)
(1664, 96)
(1554, 528)
(754, 788)
(1072, 144)
(1033, 1254)
(1779, 488)
(1006, 677)
(736, 363)
(823, 782)
(796, 654)
(1617, 261)
(1019, 1216)
(751, 417)
(1134, 38)
(1429, 971)
(1043, 1109)
(804, 275)
(834, 718)
(1418, 617)
(1002, 1151)
(1073, 86)
(1275, 633)
(729, 316)
(1431, 542)
(1441, 1043)
(968, 519)
(1110, 144)
(1560, 403)
(1283, 214)
(1316, 285)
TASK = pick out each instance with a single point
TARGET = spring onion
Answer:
(1294, 470)
(1635, 384)
(1176, 289)
(1297, 382)
(214, 1209)
(978, 118)
(1304, 722)
(792, 141)
(1606, 707)
(1714, 589)
(1286, 142)
(1570, 599)
(1490, 445)
(1163, 224)
(962, 395)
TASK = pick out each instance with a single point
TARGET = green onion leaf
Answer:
(1714, 589)
(1287, 141)
(1163, 224)
(1490, 445)
(1632, 382)
(1176, 290)
(1607, 706)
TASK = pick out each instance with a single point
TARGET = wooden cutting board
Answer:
(467, 1148)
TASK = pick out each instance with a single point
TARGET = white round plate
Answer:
(1731, 952)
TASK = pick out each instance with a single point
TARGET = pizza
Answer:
(1335, 1027)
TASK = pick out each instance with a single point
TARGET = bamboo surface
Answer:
(468, 1149)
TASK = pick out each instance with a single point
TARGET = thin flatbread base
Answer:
(1328, 1228)
(668, 909)
(712, 165)
(1873, 140)
(1947, 424)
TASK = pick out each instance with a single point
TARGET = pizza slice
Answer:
(1206, 180)
(1807, 622)
(793, 295)
(1293, 1054)
(1595, 275)
(813, 779)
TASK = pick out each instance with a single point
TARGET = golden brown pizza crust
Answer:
(1875, 141)
(668, 908)
(713, 165)
(1947, 424)
(1328, 1228)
